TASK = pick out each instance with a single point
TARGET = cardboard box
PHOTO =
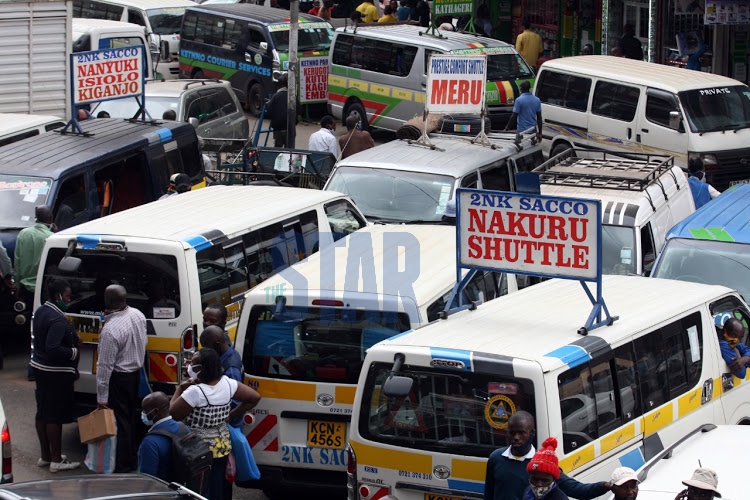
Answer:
(97, 425)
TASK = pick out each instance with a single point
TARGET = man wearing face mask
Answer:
(543, 471)
(735, 353)
(702, 191)
(506, 477)
(155, 452)
(323, 139)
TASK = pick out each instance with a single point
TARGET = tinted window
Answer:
(97, 10)
(615, 101)
(559, 89)
(392, 58)
(496, 178)
(189, 24)
(658, 109)
(136, 17)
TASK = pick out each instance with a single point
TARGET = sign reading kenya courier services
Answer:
(100, 75)
(455, 84)
(530, 234)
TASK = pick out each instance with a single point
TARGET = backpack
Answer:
(191, 458)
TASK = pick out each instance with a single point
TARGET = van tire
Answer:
(357, 109)
(559, 148)
(254, 102)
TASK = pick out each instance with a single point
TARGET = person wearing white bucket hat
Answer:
(702, 486)
(624, 483)
(449, 215)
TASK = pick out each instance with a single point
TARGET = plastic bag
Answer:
(247, 469)
(101, 455)
(230, 473)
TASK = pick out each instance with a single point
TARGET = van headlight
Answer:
(708, 160)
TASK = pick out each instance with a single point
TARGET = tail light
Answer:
(351, 473)
(7, 455)
(188, 338)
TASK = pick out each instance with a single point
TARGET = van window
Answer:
(496, 178)
(343, 218)
(393, 58)
(166, 21)
(648, 249)
(71, 202)
(122, 185)
(568, 91)
(615, 101)
(136, 17)
(121, 41)
(470, 180)
(658, 109)
(445, 412)
(666, 364)
(254, 38)
(97, 10)
(18, 137)
(216, 273)
(308, 38)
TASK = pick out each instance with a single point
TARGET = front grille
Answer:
(734, 165)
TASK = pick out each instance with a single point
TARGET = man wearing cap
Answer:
(178, 183)
(702, 486)
(624, 483)
(449, 215)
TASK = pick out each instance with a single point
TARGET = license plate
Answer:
(743, 181)
(431, 496)
(322, 434)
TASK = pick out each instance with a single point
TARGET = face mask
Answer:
(62, 305)
(523, 449)
(540, 491)
(192, 372)
(731, 341)
(146, 421)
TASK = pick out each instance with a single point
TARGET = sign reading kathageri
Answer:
(456, 84)
(530, 234)
(100, 75)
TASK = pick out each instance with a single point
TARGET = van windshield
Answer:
(463, 413)
(150, 279)
(166, 21)
(706, 261)
(717, 109)
(394, 195)
(19, 195)
(315, 344)
(309, 39)
(618, 250)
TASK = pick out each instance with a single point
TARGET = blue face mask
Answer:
(146, 421)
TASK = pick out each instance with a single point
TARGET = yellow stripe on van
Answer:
(617, 438)
(337, 81)
(283, 389)
(154, 343)
(578, 459)
(657, 419)
(466, 469)
(402, 94)
(345, 394)
(358, 84)
(689, 402)
(420, 97)
(380, 90)
(718, 389)
(377, 456)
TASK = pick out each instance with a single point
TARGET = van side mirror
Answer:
(164, 50)
(69, 265)
(193, 121)
(264, 46)
(397, 386)
(675, 118)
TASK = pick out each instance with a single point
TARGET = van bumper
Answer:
(274, 479)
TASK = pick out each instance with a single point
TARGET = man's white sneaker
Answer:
(64, 465)
(45, 463)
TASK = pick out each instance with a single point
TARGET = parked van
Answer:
(96, 34)
(305, 355)
(642, 197)
(117, 166)
(248, 45)
(713, 245)
(620, 104)
(386, 90)
(17, 126)
(403, 181)
(161, 18)
(181, 253)
(432, 404)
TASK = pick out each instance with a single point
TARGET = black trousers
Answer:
(123, 399)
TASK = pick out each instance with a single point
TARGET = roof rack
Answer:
(604, 170)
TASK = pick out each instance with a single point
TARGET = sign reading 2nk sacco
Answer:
(529, 234)
(455, 84)
(101, 75)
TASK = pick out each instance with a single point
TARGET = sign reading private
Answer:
(100, 75)
(313, 79)
(532, 234)
(452, 7)
(455, 84)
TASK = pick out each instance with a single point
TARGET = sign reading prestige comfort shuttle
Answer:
(101, 75)
(456, 84)
(531, 234)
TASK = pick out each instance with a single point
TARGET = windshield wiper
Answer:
(719, 128)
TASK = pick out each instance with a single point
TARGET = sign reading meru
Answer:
(452, 7)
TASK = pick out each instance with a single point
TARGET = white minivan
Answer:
(620, 104)
(17, 126)
(96, 34)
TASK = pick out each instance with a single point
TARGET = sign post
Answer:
(531, 234)
(107, 74)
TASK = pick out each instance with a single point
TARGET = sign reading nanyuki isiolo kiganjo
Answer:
(106, 74)
(456, 84)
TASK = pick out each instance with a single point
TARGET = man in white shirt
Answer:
(323, 139)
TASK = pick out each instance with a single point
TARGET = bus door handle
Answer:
(707, 392)
(630, 133)
(644, 130)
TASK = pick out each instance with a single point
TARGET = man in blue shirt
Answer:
(213, 337)
(527, 111)
(155, 453)
(735, 353)
(702, 191)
